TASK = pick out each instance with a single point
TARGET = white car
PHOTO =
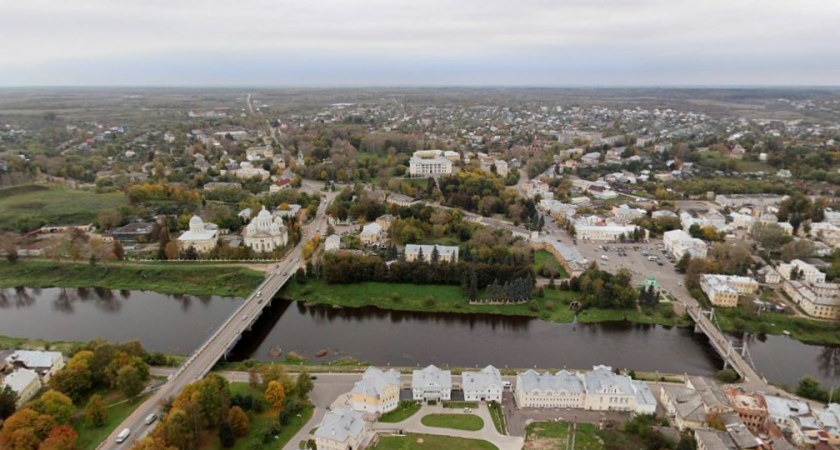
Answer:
(150, 419)
(123, 435)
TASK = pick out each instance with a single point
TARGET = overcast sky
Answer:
(419, 42)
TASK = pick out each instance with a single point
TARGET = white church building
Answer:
(264, 233)
(201, 236)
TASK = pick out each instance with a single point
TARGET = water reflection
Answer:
(162, 322)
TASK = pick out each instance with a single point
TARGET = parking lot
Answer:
(518, 419)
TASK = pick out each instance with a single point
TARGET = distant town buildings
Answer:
(679, 243)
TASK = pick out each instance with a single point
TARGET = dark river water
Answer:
(178, 324)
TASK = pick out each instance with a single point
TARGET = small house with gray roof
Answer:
(341, 429)
(431, 383)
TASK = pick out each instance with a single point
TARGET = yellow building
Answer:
(719, 292)
(377, 392)
(23, 382)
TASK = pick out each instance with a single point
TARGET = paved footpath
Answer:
(414, 425)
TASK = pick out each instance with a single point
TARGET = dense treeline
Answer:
(601, 289)
(348, 268)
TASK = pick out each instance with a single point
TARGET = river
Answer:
(179, 323)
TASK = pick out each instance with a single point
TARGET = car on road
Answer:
(150, 419)
(123, 435)
(313, 377)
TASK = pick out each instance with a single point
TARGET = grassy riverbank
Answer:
(224, 281)
(553, 307)
(8, 342)
(802, 329)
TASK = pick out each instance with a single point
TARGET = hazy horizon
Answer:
(433, 43)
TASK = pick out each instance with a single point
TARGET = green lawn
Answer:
(8, 342)
(405, 410)
(553, 307)
(543, 257)
(258, 422)
(465, 422)
(226, 281)
(25, 208)
(498, 417)
(460, 405)
(553, 435)
(118, 409)
(432, 442)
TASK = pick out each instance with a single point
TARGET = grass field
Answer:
(465, 422)
(258, 422)
(432, 442)
(405, 410)
(553, 435)
(233, 281)
(25, 208)
(800, 328)
(8, 342)
(410, 297)
(118, 409)
(543, 257)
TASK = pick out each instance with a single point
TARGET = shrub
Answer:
(430, 301)
(549, 305)
(726, 376)
(226, 435)
(395, 297)
(534, 305)
(432, 402)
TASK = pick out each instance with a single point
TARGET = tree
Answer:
(172, 252)
(55, 404)
(253, 377)
(25, 430)
(435, 254)
(95, 413)
(800, 249)
(75, 380)
(119, 250)
(682, 264)
(811, 389)
(8, 400)
(304, 385)
(130, 382)
(226, 436)
(60, 438)
(687, 442)
(191, 253)
(239, 422)
(178, 429)
(769, 235)
(275, 395)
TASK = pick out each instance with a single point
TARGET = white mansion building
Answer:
(264, 233)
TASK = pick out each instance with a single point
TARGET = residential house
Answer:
(24, 383)
(741, 200)
(431, 383)
(377, 392)
(606, 391)
(560, 390)
(678, 243)
(280, 185)
(804, 271)
(688, 406)
(385, 221)
(134, 232)
(446, 253)
(371, 234)
(750, 407)
(44, 363)
(485, 385)
(720, 293)
(625, 214)
(341, 429)
(332, 243)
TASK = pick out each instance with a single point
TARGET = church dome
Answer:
(196, 221)
(264, 214)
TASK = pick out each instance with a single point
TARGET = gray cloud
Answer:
(343, 42)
